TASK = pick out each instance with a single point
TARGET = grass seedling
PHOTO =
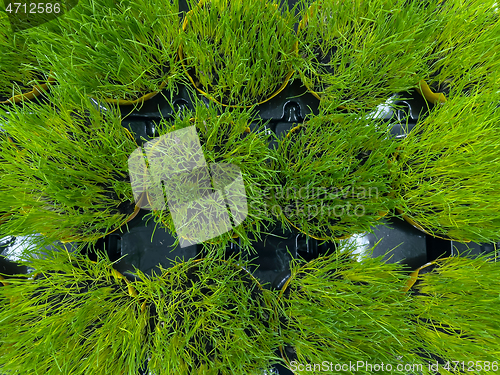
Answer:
(213, 318)
(465, 54)
(71, 316)
(64, 170)
(447, 169)
(334, 176)
(226, 142)
(359, 53)
(238, 53)
(116, 50)
(339, 310)
(454, 309)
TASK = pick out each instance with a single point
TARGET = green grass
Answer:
(357, 54)
(69, 315)
(224, 140)
(454, 309)
(64, 170)
(447, 170)
(340, 310)
(334, 174)
(212, 319)
(465, 55)
(17, 75)
(112, 49)
(239, 52)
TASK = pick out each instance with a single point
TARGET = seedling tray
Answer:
(143, 250)
(403, 242)
(143, 246)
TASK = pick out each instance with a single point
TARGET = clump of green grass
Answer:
(70, 315)
(454, 308)
(357, 54)
(64, 169)
(219, 156)
(465, 54)
(119, 50)
(334, 174)
(17, 62)
(339, 310)
(238, 53)
(447, 169)
(213, 318)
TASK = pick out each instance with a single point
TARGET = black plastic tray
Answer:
(144, 247)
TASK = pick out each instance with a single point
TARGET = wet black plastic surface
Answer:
(145, 247)
(439, 248)
(8, 267)
(273, 253)
(399, 242)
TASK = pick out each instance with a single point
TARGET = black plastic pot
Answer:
(190, 72)
(190, 300)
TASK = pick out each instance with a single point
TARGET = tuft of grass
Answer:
(17, 75)
(71, 316)
(110, 49)
(190, 177)
(454, 309)
(339, 310)
(447, 167)
(465, 56)
(357, 54)
(64, 169)
(212, 318)
(334, 175)
(238, 52)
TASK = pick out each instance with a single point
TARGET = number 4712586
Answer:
(33, 8)
(471, 366)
